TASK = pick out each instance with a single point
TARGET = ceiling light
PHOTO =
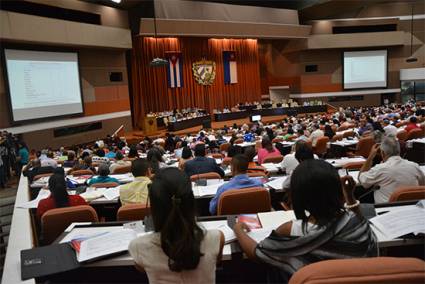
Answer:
(116, 1)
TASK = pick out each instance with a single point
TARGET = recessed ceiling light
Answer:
(116, 1)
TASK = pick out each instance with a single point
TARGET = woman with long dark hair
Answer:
(325, 226)
(155, 159)
(179, 251)
(58, 195)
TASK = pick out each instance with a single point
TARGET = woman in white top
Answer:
(179, 251)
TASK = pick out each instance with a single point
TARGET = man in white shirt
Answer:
(392, 173)
(49, 161)
(316, 134)
(389, 129)
(290, 162)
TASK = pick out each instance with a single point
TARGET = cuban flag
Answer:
(175, 70)
(230, 70)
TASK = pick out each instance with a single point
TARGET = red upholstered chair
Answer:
(415, 134)
(243, 201)
(238, 141)
(406, 193)
(105, 184)
(321, 146)
(216, 155)
(337, 137)
(133, 212)
(402, 135)
(374, 270)
(273, 159)
(226, 161)
(363, 147)
(82, 173)
(121, 170)
(257, 174)
(55, 221)
(211, 175)
(41, 175)
(348, 134)
(224, 147)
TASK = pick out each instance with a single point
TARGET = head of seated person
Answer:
(58, 195)
(103, 177)
(178, 239)
(155, 159)
(140, 168)
(200, 150)
(239, 165)
(186, 153)
(100, 153)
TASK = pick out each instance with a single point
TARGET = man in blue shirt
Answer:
(240, 180)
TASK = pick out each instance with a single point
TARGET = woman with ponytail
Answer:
(179, 251)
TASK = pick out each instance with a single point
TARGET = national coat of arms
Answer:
(204, 72)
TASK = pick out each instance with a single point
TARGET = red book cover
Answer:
(251, 220)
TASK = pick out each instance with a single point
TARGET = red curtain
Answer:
(150, 88)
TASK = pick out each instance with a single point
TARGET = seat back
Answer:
(226, 161)
(55, 221)
(244, 200)
(224, 147)
(216, 155)
(415, 134)
(337, 137)
(133, 212)
(364, 146)
(210, 175)
(371, 270)
(121, 170)
(105, 184)
(277, 140)
(321, 146)
(405, 193)
(238, 141)
(402, 135)
(41, 175)
(348, 134)
(259, 173)
(273, 159)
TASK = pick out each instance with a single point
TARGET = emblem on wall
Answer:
(204, 72)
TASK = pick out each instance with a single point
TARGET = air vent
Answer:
(115, 76)
(66, 131)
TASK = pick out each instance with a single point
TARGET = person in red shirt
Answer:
(412, 124)
(58, 196)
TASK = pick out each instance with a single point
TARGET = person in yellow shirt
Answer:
(137, 190)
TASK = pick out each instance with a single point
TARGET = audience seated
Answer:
(201, 164)
(392, 173)
(137, 190)
(99, 158)
(155, 159)
(70, 160)
(179, 250)
(267, 150)
(34, 168)
(325, 228)
(186, 155)
(47, 160)
(58, 195)
(103, 176)
(291, 161)
(119, 162)
(316, 134)
(240, 180)
(413, 124)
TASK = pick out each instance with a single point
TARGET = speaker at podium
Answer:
(149, 125)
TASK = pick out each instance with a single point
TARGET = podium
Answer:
(149, 125)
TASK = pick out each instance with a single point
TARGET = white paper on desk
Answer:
(218, 161)
(43, 181)
(221, 225)
(112, 193)
(42, 194)
(207, 190)
(274, 219)
(277, 183)
(260, 234)
(214, 181)
(87, 232)
(271, 167)
(401, 222)
(123, 178)
(106, 244)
